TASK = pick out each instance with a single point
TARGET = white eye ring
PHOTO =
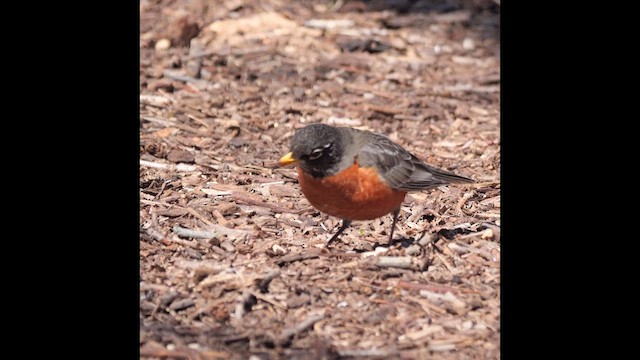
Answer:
(316, 153)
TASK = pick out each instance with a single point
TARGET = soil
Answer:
(234, 262)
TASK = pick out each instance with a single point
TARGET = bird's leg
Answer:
(345, 224)
(396, 212)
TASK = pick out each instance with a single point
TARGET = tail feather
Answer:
(427, 177)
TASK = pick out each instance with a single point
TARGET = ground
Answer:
(233, 259)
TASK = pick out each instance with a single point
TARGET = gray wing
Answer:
(401, 169)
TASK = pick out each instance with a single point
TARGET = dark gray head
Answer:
(317, 149)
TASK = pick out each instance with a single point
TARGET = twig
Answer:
(427, 307)
(368, 353)
(447, 265)
(368, 89)
(456, 304)
(447, 89)
(289, 333)
(235, 52)
(199, 216)
(422, 333)
(219, 217)
(187, 79)
(161, 353)
(434, 288)
(233, 281)
(268, 300)
(463, 248)
(192, 244)
(198, 120)
(155, 234)
(194, 65)
(164, 184)
(154, 217)
(328, 24)
(402, 262)
(202, 54)
(199, 234)
(332, 120)
(388, 110)
(154, 100)
(175, 125)
(488, 215)
(151, 202)
(463, 201)
(264, 284)
(310, 254)
(181, 304)
(178, 167)
(240, 199)
(247, 300)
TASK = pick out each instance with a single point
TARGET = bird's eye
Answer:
(316, 153)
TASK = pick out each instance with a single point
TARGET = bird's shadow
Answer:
(403, 241)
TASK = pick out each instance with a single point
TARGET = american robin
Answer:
(358, 175)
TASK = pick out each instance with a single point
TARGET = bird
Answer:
(356, 174)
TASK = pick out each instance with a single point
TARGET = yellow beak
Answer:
(287, 159)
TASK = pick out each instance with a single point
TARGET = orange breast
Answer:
(354, 194)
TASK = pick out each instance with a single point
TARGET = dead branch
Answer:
(155, 234)
(175, 354)
(245, 303)
(172, 167)
(289, 333)
(434, 288)
(448, 298)
(198, 234)
(268, 300)
(192, 244)
(368, 353)
(309, 254)
(264, 284)
(200, 216)
(402, 262)
(175, 125)
(183, 78)
(246, 200)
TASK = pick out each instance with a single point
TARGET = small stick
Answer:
(175, 125)
(219, 217)
(155, 234)
(367, 353)
(462, 202)
(151, 202)
(161, 353)
(228, 52)
(199, 234)
(428, 307)
(311, 254)
(192, 244)
(433, 288)
(178, 167)
(250, 201)
(164, 184)
(267, 300)
(447, 265)
(264, 284)
(402, 262)
(187, 79)
(199, 216)
(154, 217)
(388, 110)
(247, 300)
(287, 334)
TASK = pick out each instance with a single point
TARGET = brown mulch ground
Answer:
(232, 256)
